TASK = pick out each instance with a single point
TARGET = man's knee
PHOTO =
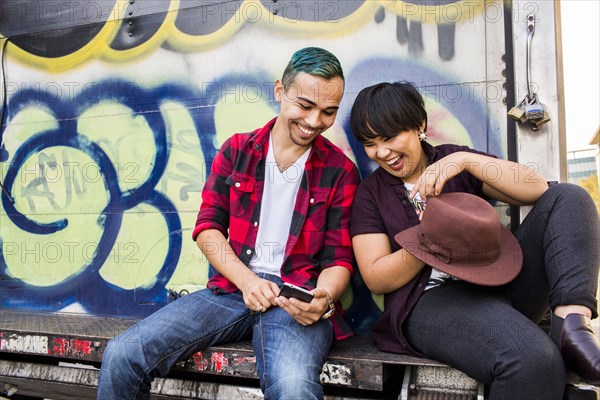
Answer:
(113, 348)
(117, 353)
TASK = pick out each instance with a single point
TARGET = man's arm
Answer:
(257, 292)
(211, 228)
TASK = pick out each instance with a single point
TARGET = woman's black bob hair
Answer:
(387, 109)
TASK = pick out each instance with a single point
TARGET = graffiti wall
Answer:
(113, 111)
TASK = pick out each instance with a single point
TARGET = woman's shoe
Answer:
(580, 348)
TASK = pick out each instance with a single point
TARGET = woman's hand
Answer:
(435, 176)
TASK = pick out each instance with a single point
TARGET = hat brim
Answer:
(506, 267)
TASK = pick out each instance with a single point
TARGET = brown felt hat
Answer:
(461, 235)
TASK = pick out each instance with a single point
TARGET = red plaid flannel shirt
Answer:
(319, 233)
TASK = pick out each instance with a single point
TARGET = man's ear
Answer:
(278, 90)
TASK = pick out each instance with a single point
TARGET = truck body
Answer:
(113, 111)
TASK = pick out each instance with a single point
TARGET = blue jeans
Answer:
(289, 356)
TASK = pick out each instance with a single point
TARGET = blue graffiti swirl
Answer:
(121, 302)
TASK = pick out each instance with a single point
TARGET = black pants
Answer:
(492, 333)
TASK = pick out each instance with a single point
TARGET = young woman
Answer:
(490, 333)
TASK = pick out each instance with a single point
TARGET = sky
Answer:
(581, 65)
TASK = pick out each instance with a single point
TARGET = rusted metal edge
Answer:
(352, 363)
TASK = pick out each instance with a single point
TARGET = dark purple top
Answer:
(381, 196)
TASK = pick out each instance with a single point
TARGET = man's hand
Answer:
(259, 294)
(305, 313)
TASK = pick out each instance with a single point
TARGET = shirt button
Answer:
(312, 201)
(404, 202)
(237, 184)
(248, 251)
(255, 223)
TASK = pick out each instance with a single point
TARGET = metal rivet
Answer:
(248, 251)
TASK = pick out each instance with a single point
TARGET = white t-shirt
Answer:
(276, 210)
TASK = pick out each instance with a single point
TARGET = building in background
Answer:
(584, 167)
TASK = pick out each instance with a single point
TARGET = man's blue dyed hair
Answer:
(313, 61)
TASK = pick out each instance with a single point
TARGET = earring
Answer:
(422, 135)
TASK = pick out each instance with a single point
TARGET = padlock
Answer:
(518, 114)
(539, 122)
(534, 111)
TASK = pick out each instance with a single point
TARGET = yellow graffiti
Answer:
(65, 183)
(184, 42)
(139, 251)
(444, 127)
(56, 183)
(132, 151)
(182, 182)
(146, 48)
(249, 14)
(95, 48)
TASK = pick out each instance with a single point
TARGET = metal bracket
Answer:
(530, 33)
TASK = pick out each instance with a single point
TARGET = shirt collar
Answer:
(260, 141)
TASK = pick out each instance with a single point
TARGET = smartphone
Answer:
(288, 290)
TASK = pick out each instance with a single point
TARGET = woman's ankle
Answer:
(563, 311)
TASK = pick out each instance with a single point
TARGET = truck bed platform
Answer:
(57, 356)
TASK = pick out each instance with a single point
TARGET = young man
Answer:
(275, 209)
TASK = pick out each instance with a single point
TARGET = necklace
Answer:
(283, 166)
(417, 203)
